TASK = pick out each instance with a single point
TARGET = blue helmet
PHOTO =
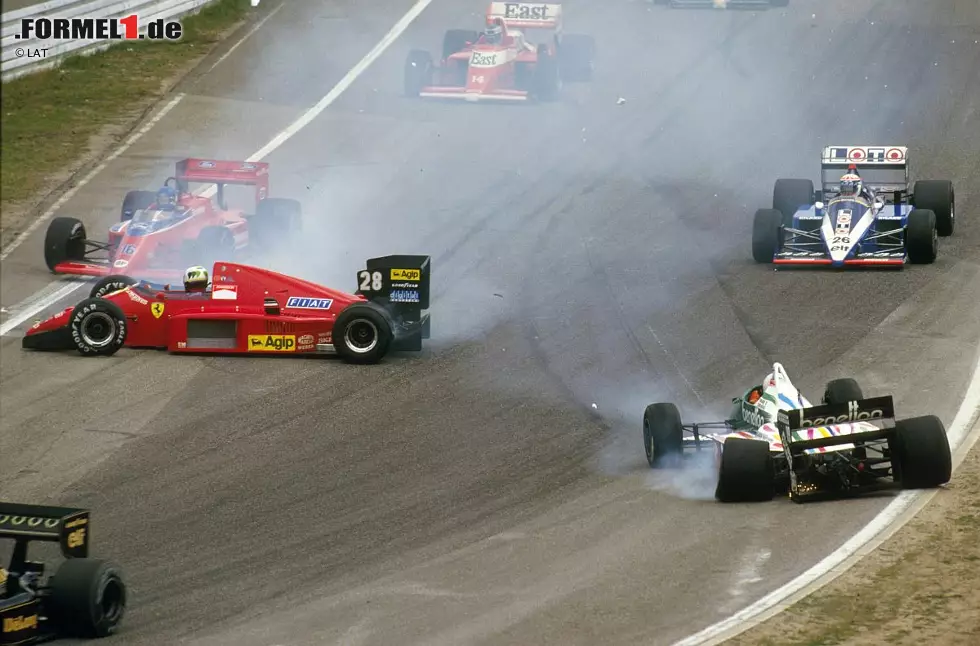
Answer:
(166, 199)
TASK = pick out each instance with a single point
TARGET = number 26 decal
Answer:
(370, 281)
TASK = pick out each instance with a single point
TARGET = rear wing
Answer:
(526, 15)
(67, 527)
(212, 171)
(795, 426)
(883, 168)
(401, 285)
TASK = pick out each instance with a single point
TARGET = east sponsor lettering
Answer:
(479, 59)
(517, 11)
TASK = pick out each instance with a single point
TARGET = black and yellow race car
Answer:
(85, 597)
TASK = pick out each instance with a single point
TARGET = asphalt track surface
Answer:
(583, 252)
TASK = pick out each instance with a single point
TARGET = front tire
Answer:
(98, 327)
(921, 237)
(938, 196)
(842, 391)
(135, 201)
(362, 334)
(88, 597)
(767, 234)
(788, 195)
(663, 434)
(111, 284)
(64, 241)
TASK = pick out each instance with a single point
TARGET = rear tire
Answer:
(920, 453)
(767, 234)
(841, 391)
(135, 201)
(418, 72)
(111, 284)
(921, 237)
(938, 196)
(663, 434)
(98, 327)
(747, 472)
(788, 195)
(362, 334)
(88, 597)
(64, 241)
(576, 56)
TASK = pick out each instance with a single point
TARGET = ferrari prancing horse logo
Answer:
(157, 309)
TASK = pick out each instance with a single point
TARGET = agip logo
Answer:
(413, 275)
(271, 343)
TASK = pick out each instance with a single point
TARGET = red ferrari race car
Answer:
(160, 233)
(501, 64)
(247, 309)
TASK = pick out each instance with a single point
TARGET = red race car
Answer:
(161, 233)
(246, 310)
(500, 64)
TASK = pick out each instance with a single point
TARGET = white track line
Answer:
(886, 523)
(241, 40)
(41, 300)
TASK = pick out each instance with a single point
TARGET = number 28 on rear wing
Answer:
(796, 426)
(67, 527)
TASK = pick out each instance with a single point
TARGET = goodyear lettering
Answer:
(478, 59)
(308, 303)
(518, 11)
(413, 275)
(404, 296)
(17, 624)
(271, 343)
(76, 538)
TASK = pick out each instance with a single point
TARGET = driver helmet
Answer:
(755, 395)
(495, 31)
(850, 184)
(166, 199)
(196, 279)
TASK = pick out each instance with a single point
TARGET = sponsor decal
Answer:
(248, 166)
(205, 164)
(136, 298)
(844, 221)
(129, 250)
(753, 416)
(305, 347)
(19, 623)
(878, 155)
(120, 263)
(481, 59)
(306, 339)
(271, 343)
(157, 309)
(325, 337)
(404, 286)
(28, 521)
(413, 275)
(224, 292)
(854, 414)
(518, 11)
(181, 345)
(76, 538)
(308, 303)
(404, 296)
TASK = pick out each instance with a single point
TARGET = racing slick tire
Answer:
(455, 41)
(663, 434)
(576, 57)
(547, 76)
(275, 218)
(111, 284)
(788, 195)
(362, 334)
(767, 234)
(920, 453)
(418, 72)
(921, 237)
(938, 196)
(98, 327)
(88, 597)
(135, 201)
(841, 391)
(63, 241)
(746, 472)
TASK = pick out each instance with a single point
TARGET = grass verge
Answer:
(52, 120)
(919, 587)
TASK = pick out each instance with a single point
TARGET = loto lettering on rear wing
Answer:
(885, 168)
(67, 527)
(794, 425)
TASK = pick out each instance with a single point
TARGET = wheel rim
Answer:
(648, 441)
(113, 600)
(361, 336)
(97, 330)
